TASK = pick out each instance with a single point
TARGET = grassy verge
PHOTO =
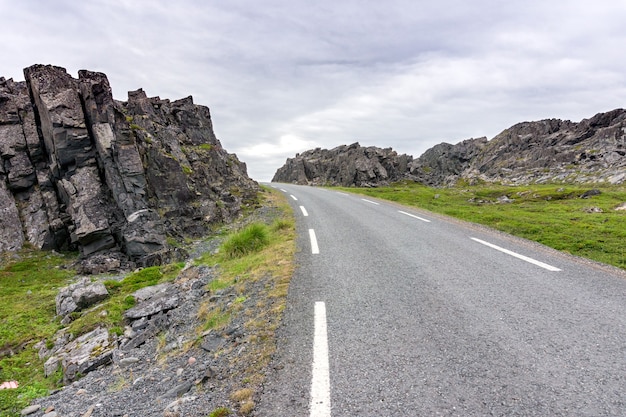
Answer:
(255, 263)
(552, 214)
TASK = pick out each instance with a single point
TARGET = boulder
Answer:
(79, 296)
(162, 302)
(86, 353)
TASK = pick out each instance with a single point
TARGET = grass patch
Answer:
(244, 398)
(251, 239)
(220, 412)
(28, 286)
(552, 214)
(213, 318)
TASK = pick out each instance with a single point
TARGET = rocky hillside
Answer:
(591, 151)
(82, 171)
(345, 165)
(553, 150)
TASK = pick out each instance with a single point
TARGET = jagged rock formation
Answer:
(591, 151)
(352, 165)
(552, 150)
(83, 171)
(444, 163)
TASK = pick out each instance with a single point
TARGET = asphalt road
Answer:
(430, 316)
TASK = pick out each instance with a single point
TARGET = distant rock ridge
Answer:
(112, 179)
(346, 165)
(552, 150)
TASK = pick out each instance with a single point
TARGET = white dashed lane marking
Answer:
(320, 380)
(314, 248)
(414, 216)
(370, 201)
(517, 255)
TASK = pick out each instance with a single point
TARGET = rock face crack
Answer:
(82, 171)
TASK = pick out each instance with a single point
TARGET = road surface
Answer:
(398, 312)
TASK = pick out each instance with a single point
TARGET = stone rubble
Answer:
(162, 365)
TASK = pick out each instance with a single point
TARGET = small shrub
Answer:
(220, 412)
(246, 408)
(282, 224)
(251, 239)
(244, 397)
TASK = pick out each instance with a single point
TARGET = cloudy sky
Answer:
(281, 77)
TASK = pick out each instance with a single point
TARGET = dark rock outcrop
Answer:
(591, 151)
(83, 171)
(346, 165)
(552, 150)
(445, 162)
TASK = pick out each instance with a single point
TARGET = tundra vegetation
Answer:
(565, 217)
(258, 254)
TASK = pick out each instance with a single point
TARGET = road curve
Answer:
(426, 315)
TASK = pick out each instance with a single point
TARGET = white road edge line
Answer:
(339, 192)
(370, 201)
(320, 381)
(517, 255)
(304, 212)
(314, 248)
(294, 197)
(283, 190)
(414, 216)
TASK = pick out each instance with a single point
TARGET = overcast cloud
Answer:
(281, 77)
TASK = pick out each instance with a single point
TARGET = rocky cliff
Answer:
(352, 165)
(82, 171)
(590, 151)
